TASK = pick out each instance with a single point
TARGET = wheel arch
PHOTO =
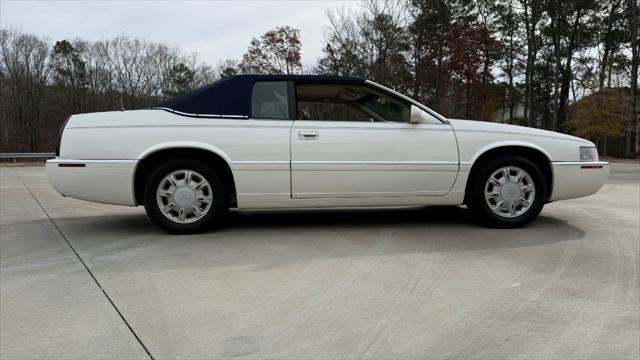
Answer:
(529, 151)
(155, 155)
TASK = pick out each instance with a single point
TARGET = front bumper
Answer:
(103, 181)
(574, 179)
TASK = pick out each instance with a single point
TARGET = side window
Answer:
(388, 108)
(269, 100)
(334, 111)
(348, 102)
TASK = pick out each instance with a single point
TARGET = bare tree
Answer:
(276, 52)
(70, 73)
(135, 75)
(344, 52)
(383, 28)
(510, 35)
(531, 18)
(228, 67)
(26, 71)
(204, 74)
(373, 42)
(634, 22)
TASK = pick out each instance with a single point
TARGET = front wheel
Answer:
(184, 196)
(507, 192)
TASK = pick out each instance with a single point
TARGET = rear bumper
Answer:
(103, 181)
(577, 179)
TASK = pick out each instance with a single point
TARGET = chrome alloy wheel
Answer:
(509, 191)
(184, 196)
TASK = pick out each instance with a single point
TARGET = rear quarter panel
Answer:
(257, 151)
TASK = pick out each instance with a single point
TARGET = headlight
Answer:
(588, 153)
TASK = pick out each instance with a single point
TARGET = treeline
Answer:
(569, 66)
(43, 82)
(526, 62)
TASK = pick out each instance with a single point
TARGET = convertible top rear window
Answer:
(269, 100)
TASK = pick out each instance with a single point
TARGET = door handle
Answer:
(308, 135)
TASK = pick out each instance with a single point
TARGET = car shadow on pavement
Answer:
(270, 239)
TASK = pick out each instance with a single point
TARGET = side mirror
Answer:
(418, 116)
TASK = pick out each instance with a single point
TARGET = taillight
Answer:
(60, 135)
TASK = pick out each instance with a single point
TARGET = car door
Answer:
(259, 147)
(366, 150)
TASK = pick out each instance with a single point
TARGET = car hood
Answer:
(473, 125)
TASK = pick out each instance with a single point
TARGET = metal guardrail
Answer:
(26, 155)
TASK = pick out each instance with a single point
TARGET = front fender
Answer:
(505, 143)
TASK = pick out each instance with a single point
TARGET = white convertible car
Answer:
(267, 142)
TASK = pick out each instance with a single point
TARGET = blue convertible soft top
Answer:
(231, 96)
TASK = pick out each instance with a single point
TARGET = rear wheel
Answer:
(507, 192)
(184, 196)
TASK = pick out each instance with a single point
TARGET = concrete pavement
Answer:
(407, 283)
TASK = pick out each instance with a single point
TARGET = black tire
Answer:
(480, 208)
(215, 213)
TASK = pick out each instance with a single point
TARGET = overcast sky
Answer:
(216, 30)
